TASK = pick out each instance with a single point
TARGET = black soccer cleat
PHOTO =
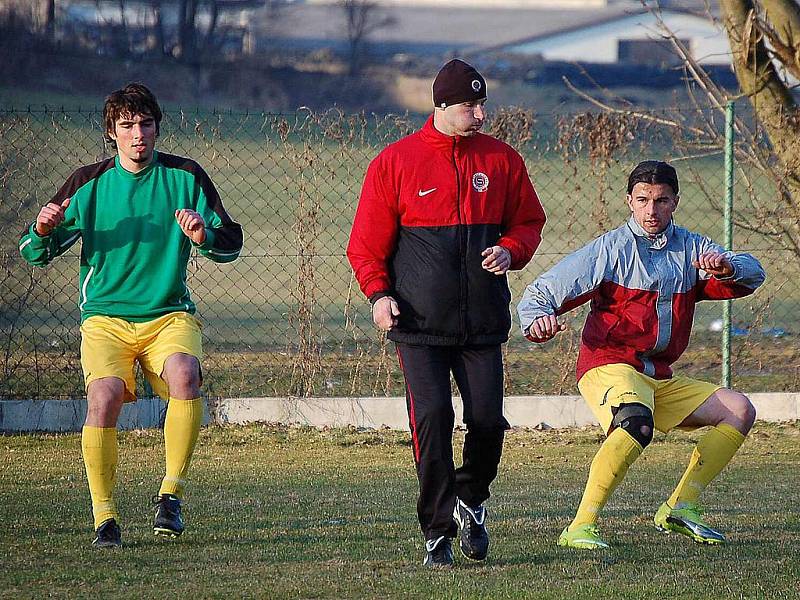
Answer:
(168, 521)
(473, 538)
(439, 553)
(107, 535)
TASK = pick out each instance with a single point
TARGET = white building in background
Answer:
(589, 31)
(637, 37)
(437, 27)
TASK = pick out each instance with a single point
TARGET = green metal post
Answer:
(728, 224)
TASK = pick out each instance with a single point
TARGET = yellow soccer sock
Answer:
(181, 428)
(608, 468)
(713, 451)
(100, 453)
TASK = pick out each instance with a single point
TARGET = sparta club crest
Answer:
(480, 182)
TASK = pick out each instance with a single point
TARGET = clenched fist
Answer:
(50, 217)
(497, 260)
(192, 224)
(385, 312)
(715, 264)
(544, 328)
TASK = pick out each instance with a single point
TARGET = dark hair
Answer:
(133, 99)
(653, 171)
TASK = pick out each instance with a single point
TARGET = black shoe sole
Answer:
(106, 545)
(474, 558)
(439, 567)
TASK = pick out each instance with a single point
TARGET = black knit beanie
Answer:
(457, 82)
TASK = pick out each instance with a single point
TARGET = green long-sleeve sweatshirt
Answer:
(134, 254)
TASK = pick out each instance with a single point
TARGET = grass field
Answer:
(299, 513)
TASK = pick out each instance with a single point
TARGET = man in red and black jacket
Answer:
(444, 214)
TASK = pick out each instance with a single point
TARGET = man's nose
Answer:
(480, 113)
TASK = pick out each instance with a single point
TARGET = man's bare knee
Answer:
(105, 397)
(182, 374)
(739, 411)
(744, 411)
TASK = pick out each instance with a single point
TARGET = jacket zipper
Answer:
(462, 292)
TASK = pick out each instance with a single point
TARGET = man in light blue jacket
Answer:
(643, 280)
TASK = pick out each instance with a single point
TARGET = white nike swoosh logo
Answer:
(426, 192)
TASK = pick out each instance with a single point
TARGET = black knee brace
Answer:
(633, 418)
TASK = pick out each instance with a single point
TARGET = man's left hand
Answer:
(192, 224)
(497, 260)
(715, 264)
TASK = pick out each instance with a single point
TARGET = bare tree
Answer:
(201, 25)
(40, 15)
(20, 29)
(362, 19)
(765, 44)
(50, 20)
(194, 42)
(765, 39)
(765, 48)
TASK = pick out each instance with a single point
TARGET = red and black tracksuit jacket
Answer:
(430, 204)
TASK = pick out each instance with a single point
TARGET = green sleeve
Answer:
(223, 241)
(40, 250)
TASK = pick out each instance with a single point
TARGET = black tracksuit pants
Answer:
(478, 372)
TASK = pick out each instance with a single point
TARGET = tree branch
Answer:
(630, 113)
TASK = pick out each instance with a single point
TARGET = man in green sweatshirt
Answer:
(138, 214)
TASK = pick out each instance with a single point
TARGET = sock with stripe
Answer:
(100, 455)
(181, 428)
(713, 451)
(609, 467)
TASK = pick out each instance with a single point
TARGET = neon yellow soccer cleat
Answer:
(686, 518)
(584, 537)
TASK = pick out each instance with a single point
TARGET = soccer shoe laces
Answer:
(692, 508)
(592, 529)
(165, 503)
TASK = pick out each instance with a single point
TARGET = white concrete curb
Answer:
(521, 411)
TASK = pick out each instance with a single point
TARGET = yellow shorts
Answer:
(110, 346)
(671, 400)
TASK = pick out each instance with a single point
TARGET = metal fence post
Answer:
(728, 241)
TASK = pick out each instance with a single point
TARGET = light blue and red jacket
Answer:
(643, 292)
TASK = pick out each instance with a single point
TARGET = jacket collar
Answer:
(437, 139)
(658, 241)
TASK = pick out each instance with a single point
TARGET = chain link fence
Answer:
(288, 319)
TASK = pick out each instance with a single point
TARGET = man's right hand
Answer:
(50, 217)
(385, 312)
(544, 328)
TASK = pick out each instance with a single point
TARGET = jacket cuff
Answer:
(35, 234)
(732, 277)
(208, 243)
(377, 296)
(515, 252)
